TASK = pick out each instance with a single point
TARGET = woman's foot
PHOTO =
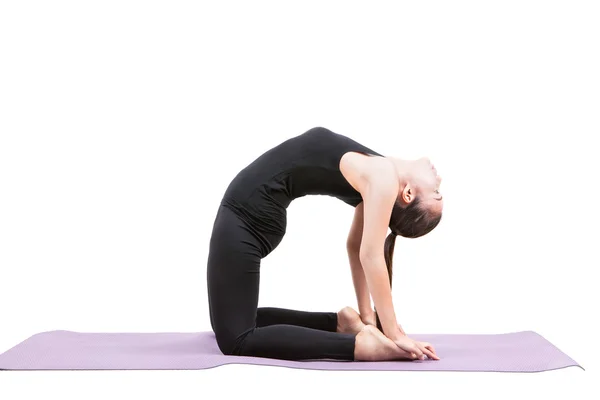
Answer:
(372, 345)
(348, 321)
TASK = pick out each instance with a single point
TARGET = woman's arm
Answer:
(361, 288)
(379, 191)
(377, 182)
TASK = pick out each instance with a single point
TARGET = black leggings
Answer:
(240, 327)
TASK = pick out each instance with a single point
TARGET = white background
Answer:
(122, 122)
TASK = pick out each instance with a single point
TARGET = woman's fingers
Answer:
(409, 346)
(417, 351)
(425, 351)
(429, 346)
(428, 350)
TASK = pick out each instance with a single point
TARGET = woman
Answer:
(387, 192)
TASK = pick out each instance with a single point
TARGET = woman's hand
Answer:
(428, 346)
(414, 348)
(417, 350)
(409, 346)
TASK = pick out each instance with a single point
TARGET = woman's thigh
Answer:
(233, 278)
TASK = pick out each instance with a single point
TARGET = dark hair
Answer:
(411, 221)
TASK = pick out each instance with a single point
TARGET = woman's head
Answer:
(418, 209)
(413, 220)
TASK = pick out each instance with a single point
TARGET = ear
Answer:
(408, 194)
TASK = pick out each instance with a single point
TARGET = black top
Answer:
(307, 164)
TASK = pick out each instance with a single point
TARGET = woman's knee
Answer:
(230, 344)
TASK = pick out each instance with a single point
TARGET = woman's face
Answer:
(425, 180)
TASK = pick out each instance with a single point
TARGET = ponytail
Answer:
(388, 255)
(409, 221)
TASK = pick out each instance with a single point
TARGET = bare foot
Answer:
(373, 345)
(348, 321)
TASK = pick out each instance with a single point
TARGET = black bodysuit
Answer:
(250, 223)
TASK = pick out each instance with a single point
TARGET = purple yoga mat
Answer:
(66, 350)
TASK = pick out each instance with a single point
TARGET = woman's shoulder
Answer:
(361, 170)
